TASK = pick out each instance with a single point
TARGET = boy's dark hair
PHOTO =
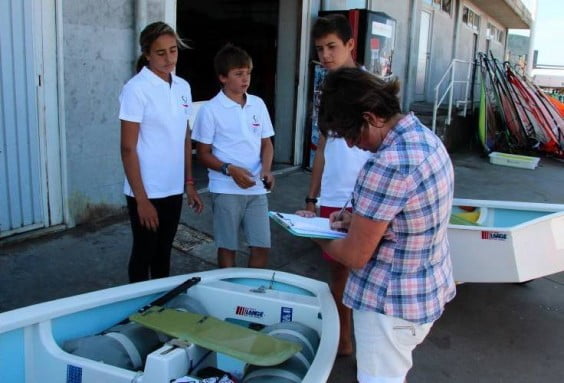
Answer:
(334, 23)
(229, 57)
(350, 92)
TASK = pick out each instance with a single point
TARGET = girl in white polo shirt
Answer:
(156, 152)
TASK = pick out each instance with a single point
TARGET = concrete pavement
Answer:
(489, 333)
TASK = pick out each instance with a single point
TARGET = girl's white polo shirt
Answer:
(162, 110)
(235, 134)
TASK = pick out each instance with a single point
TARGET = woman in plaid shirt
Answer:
(396, 247)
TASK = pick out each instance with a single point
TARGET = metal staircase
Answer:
(447, 114)
(459, 74)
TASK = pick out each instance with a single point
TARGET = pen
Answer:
(340, 216)
(286, 221)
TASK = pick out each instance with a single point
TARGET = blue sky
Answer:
(549, 31)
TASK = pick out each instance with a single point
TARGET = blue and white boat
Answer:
(504, 241)
(42, 342)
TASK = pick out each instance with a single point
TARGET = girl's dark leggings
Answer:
(150, 254)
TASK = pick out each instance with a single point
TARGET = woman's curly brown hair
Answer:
(350, 92)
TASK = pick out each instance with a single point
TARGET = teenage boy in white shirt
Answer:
(233, 131)
(336, 165)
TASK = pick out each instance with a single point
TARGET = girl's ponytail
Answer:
(141, 62)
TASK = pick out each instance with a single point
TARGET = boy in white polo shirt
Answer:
(233, 131)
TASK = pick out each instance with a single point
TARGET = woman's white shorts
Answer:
(384, 346)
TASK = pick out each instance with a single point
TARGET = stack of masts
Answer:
(516, 116)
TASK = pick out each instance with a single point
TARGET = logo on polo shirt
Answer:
(185, 104)
(256, 123)
(255, 126)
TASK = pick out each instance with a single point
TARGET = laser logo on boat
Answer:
(494, 235)
(249, 312)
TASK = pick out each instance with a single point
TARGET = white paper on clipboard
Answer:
(315, 227)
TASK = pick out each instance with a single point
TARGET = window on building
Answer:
(501, 36)
(471, 18)
(444, 5)
(490, 32)
(476, 22)
(494, 33)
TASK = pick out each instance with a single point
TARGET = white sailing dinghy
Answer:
(503, 241)
(226, 325)
(490, 241)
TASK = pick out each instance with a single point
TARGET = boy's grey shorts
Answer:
(232, 212)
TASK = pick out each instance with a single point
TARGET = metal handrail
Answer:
(449, 90)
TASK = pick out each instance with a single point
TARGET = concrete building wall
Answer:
(442, 40)
(400, 11)
(498, 48)
(465, 41)
(99, 47)
(464, 45)
(464, 49)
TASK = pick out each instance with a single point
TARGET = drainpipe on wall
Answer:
(456, 11)
(170, 13)
(530, 57)
(68, 219)
(140, 22)
(408, 89)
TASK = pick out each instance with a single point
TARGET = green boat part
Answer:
(217, 335)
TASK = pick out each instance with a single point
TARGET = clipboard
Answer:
(315, 227)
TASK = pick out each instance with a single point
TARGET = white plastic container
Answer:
(514, 160)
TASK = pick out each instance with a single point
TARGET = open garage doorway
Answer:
(254, 25)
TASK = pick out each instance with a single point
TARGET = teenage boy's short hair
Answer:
(334, 23)
(348, 93)
(229, 57)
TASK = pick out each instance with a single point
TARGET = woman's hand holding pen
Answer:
(340, 220)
